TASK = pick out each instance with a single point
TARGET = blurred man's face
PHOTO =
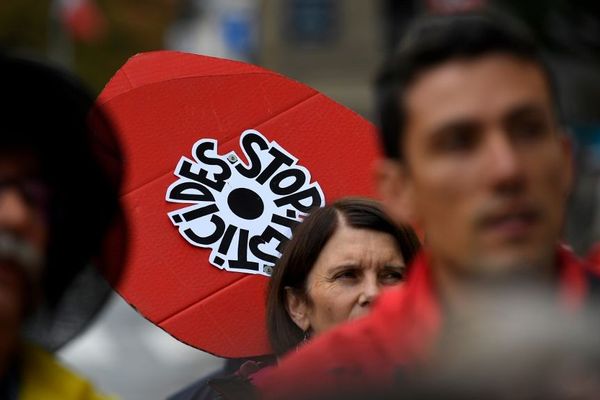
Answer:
(486, 171)
(23, 238)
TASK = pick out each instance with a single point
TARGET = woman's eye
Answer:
(392, 276)
(348, 274)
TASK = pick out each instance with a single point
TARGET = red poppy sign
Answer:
(222, 160)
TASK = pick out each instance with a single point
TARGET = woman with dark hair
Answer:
(338, 260)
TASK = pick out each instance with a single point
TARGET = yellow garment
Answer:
(43, 378)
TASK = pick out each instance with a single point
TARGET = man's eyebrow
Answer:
(465, 123)
(456, 124)
(525, 110)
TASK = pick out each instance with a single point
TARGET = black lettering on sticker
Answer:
(200, 212)
(190, 191)
(200, 177)
(253, 158)
(268, 234)
(295, 199)
(298, 180)
(227, 238)
(210, 239)
(242, 262)
(268, 258)
(283, 221)
(203, 158)
(279, 160)
(218, 260)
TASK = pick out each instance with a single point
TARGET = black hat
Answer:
(48, 113)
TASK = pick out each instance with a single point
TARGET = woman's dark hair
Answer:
(301, 252)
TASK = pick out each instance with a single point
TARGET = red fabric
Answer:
(400, 329)
(593, 257)
(572, 287)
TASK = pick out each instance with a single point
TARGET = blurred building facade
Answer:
(334, 46)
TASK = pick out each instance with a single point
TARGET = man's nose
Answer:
(15, 213)
(504, 162)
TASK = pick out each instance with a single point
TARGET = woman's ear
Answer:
(297, 308)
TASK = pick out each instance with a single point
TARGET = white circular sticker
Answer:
(243, 212)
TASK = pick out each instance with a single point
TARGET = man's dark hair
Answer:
(433, 40)
(301, 252)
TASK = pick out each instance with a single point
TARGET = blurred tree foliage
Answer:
(133, 26)
(23, 23)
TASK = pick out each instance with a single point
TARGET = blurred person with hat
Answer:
(477, 156)
(59, 214)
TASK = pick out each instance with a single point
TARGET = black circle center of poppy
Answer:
(245, 203)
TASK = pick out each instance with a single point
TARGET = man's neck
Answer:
(463, 293)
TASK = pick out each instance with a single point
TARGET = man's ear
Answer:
(396, 191)
(297, 308)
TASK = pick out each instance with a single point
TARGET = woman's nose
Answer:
(369, 293)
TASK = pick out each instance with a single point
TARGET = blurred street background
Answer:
(334, 46)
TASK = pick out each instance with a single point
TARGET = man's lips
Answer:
(512, 223)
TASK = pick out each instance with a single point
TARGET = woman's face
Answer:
(352, 269)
